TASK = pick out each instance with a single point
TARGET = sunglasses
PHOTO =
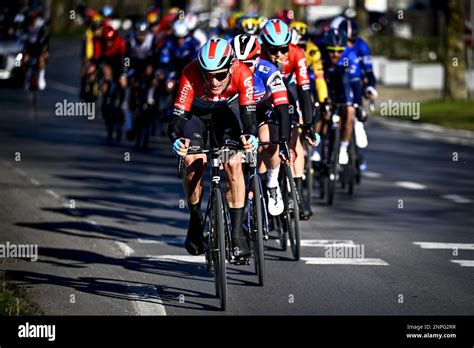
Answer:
(274, 49)
(249, 63)
(335, 52)
(220, 76)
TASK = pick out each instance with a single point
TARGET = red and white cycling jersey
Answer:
(295, 65)
(193, 88)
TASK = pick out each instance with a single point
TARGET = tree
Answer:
(455, 58)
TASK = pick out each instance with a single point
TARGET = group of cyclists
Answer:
(254, 79)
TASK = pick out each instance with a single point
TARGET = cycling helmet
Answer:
(286, 16)
(250, 25)
(180, 29)
(215, 54)
(96, 22)
(335, 39)
(246, 47)
(295, 37)
(191, 21)
(152, 16)
(351, 29)
(106, 11)
(336, 22)
(141, 26)
(276, 33)
(109, 33)
(300, 27)
(262, 20)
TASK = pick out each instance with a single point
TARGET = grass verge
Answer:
(458, 115)
(14, 301)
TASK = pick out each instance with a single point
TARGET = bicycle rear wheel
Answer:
(309, 172)
(351, 168)
(218, 249)
(292, 213)
(330, 180)
(256, 229)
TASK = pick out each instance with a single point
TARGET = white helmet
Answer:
(180, 29)
(295, 37)
(336, 22)
(191, 21)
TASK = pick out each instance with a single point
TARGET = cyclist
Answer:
(111, 51)
(250, 26)
(37, 44)
(338, 62)
(277, 48)
(191, 21)
(272, 114)
(92, 39)
(217, 87)
(366, 83)
(319, 87)
(141, 51)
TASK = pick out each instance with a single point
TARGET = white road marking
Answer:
(321, 243)
(372, 175)
(146, 300)
(34, 182)
(62, 87)
(410, 185)
(96, 225)
(343, 261)
(162, 240)
(52, 193)
(433, 245)
(127, 251)
(464, 263)
(20, 171)
(178, 258)
(457, 199)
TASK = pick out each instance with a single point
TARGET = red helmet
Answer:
(109, 33)
(286, 16)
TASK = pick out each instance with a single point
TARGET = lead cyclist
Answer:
(217, 87)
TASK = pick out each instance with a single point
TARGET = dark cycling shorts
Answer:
(266, 115)
(356, 86)
(225, 122)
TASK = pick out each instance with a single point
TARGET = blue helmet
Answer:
(335, 39)
(215, 54)
(276, 33)
(351, 28)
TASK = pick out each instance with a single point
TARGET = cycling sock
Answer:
(299, 185)
(272, 176)
(344, 145)
(237, 219)
(41, 74)
(195, 209)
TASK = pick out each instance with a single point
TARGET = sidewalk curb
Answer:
(427, 130)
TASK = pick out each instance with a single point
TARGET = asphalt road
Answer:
(110, 231)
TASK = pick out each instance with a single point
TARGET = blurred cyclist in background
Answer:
(37, 44)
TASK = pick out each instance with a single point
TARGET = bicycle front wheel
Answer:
(218, 249)
(292, 213)
(256, 229)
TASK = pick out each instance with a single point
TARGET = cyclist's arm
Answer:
(248, 108)
(314, 56)
(366, 62)
(279, 95)
(182, 106)
(304, 89)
